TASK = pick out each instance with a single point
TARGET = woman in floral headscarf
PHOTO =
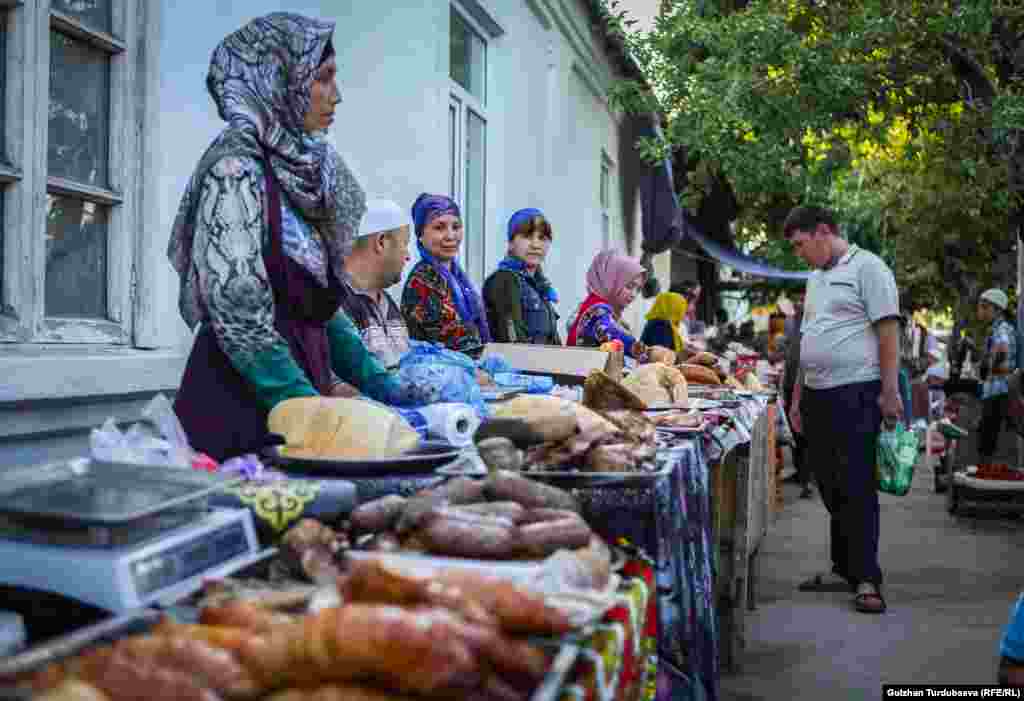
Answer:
(439, 302)
(613, 281)
(258, 238)
(520, 299)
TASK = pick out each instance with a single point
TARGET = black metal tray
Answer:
(93, 492)
(424, 460)
(568, 479)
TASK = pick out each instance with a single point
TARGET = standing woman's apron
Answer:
(219, 410)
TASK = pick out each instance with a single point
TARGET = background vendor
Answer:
(613, 282)
(439, 302)
(664, 321)
(998, 361)
(258, 240)
(520, 299)
(374, 264)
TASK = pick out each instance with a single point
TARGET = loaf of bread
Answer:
(752, 383)
(699, 374)
(703, 358)
(658, 354)
(650, 394)
(347, 429)
(657, 383)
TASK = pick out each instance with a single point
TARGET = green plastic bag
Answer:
(895, 459)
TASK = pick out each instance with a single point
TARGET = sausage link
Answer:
(445, 536)
(378, 515)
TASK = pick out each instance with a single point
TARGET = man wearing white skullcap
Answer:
(374, 263)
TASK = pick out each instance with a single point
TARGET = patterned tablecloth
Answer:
(726, 437)
(620, 658)
(669, 519)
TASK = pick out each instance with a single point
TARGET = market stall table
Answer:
(743, 478)
(673, 519)
(668, 518)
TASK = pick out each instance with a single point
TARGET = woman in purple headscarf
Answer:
(439, 302)
(613, 281)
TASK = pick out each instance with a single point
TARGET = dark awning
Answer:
(665, 225)
(741, 261)
(661, 218)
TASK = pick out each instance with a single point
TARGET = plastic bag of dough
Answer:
(347, 429)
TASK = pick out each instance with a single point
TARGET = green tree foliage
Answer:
(904, 116)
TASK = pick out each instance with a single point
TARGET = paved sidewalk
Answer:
(950, 583)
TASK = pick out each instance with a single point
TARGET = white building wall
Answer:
(547, 124)
(393, 77)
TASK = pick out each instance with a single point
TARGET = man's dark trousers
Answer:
(841, 425)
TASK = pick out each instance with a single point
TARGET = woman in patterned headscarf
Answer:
(258, 238)
(520, 299)
(439, 302)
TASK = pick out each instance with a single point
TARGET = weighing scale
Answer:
(119, 536)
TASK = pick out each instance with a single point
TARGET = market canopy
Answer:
(741, 261)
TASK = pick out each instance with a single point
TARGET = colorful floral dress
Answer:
(596, 323)
(431, 313)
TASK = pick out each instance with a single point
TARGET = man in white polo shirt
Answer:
(848, 383)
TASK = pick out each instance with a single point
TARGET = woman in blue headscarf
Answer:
(439, 302)
(520, 300)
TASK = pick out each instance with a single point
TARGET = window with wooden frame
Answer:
(605, 189)
(467, 128)
(70, 170)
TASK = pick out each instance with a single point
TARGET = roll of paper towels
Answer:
(450, 422)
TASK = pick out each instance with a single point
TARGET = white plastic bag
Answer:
(162, 442)
(161, 414)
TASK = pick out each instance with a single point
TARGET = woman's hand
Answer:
(344, 390)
